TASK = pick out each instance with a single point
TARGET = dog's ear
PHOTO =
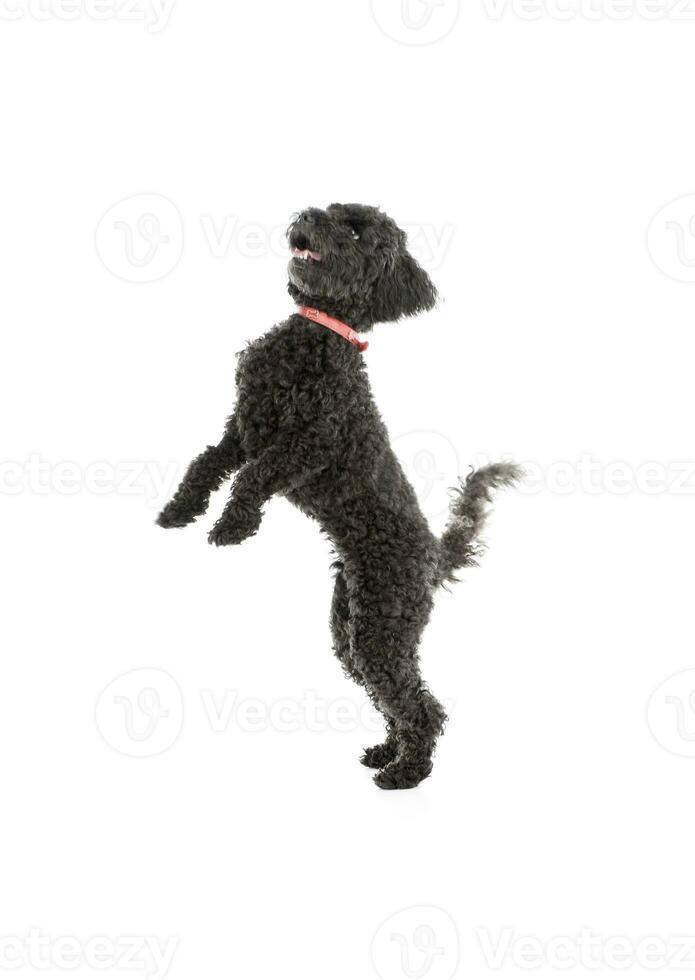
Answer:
(402, 289)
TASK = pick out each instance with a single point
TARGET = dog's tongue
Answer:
(306, 253)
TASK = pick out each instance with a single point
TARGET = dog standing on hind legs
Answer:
(306, 427)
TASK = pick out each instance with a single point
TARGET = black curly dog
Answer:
(306, 426)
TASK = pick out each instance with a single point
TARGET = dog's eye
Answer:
(354, 233)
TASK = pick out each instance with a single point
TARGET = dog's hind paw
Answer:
(379, 756)
(402, 774)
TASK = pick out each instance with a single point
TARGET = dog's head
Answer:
(352, 260)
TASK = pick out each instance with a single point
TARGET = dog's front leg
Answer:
(277, 469)
(204, 475)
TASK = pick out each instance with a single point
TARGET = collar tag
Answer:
(337, 326)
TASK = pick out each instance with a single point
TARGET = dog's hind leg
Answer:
(378, 755)
(340, 625)
(384, 651)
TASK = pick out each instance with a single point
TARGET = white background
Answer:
(537, 143)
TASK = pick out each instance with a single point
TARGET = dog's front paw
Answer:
(222, 534)
(236, 529)
(174, 515)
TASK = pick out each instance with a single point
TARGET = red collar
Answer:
(337, 326)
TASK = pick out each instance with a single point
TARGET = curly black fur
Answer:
(306, 427)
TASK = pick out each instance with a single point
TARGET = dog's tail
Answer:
(460, 546)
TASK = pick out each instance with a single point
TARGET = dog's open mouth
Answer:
(306, 254)
(301, 248)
